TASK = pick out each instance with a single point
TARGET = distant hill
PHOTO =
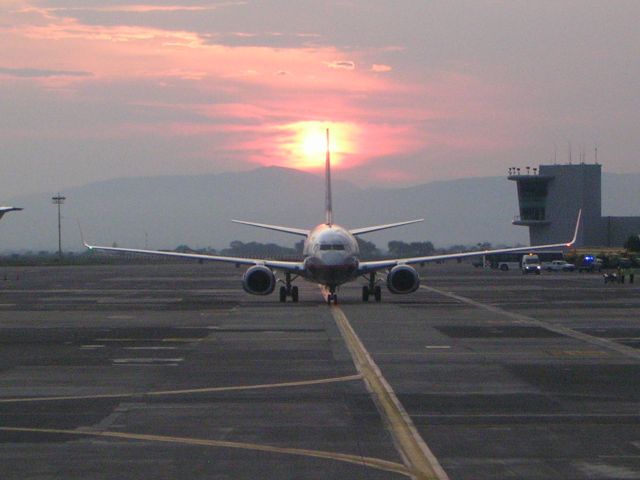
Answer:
(164, 212)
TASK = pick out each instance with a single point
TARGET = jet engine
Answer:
(403, 279)
(258, 280)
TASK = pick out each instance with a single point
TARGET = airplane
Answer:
(330, 258)
(4, 210)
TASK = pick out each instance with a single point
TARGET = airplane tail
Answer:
(329, 208)
(327, 202)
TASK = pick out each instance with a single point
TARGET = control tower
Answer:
(551, 197)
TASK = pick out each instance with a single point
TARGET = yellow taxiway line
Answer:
(370, 462)
(418, 458)
(300, 383)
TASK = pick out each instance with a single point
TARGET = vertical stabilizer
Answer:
(327, 202)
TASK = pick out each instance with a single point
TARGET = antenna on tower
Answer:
(596, 153)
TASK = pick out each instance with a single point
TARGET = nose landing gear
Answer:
(332, 296)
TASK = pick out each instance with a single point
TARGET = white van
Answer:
(531, 264)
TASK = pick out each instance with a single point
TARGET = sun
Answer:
(305, 143)
(313, 143)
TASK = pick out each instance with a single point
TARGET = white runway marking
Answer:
(525, 320)
(148, 361)
(150, 348)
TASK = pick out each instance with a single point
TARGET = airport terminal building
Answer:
(550, 196)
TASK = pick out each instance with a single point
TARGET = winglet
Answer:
(4, 210)
(575, 233)
(82, 236)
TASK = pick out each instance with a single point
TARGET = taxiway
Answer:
(171, 371)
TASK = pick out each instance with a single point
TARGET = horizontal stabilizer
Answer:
(375, 228)
(277, 228)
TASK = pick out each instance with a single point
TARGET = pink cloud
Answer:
(341, 65)
(379, 68)
(250, 93)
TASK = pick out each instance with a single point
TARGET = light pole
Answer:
(59, 200)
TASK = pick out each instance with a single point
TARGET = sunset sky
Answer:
(413, 91)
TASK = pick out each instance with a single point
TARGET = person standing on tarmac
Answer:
(620, 274)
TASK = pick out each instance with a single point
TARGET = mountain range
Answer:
(167, 211)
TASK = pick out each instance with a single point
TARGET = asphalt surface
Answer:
(172, 371)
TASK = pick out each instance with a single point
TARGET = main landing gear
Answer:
(372, 289)
(288, 290)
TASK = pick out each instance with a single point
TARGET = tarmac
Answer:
(171, 371)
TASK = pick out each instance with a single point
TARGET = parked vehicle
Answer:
(513, 261)
(560, 266)
(590, 263)
(531, 264)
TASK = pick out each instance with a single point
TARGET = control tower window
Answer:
(532, 213)
(532, 189)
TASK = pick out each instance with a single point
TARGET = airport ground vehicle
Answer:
(505, 262)
(560, 266)
(589, 263)
(513, 261)
(531, 264)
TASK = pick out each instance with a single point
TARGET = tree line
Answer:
(368, 250)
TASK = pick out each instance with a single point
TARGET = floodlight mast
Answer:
(59, 200)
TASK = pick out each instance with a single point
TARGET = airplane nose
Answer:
(332, 268)
(333, 258)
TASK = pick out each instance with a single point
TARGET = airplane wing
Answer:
(293, 267)
(367, 267)
(375, 228)
(277, 228)
(4, 210)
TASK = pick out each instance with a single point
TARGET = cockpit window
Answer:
(331, 246)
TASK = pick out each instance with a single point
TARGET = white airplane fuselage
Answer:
(330, 255)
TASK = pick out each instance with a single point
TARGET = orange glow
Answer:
(304, 144)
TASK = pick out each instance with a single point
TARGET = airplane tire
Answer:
(365, 294)
(294, 294)
(283, 294)
(377, 293)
